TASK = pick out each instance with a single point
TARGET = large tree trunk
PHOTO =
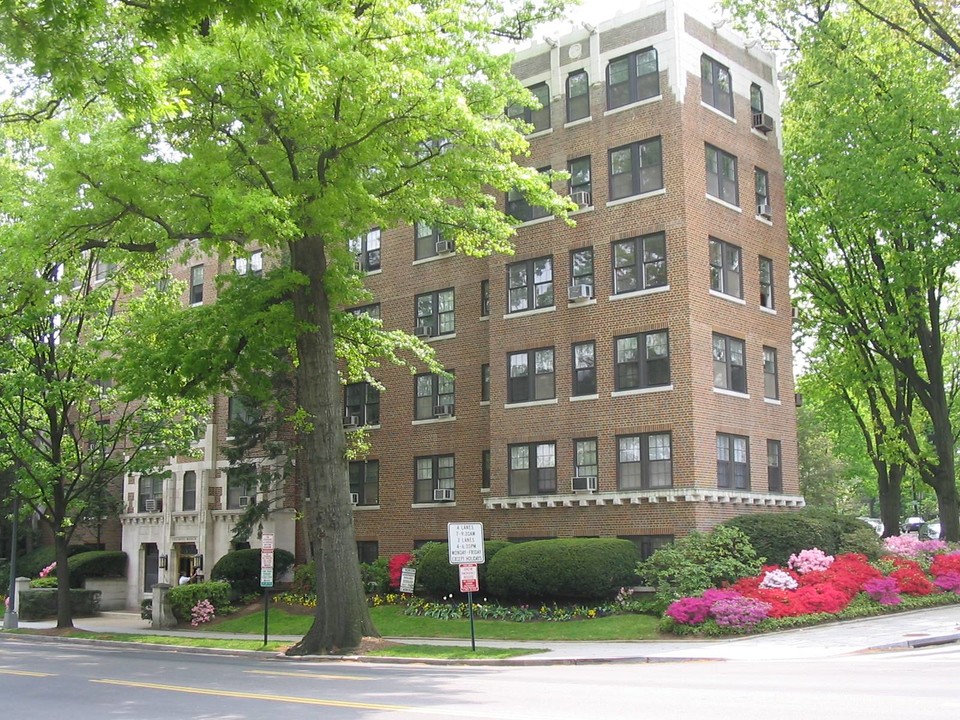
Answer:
(342, 618)
(889, 482)
(64, 611)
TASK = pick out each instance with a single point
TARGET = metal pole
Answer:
(10, 612)
(266, 611)
(473, 636)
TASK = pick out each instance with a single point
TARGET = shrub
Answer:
(884, 590)
(305, 579)
(375, 577)
(32, 563)
(241, 568)
(438, 577)
(575, 568)
(739, 611)
(184, 598)
(97, 564)
(699, 561)
(778, 535)
(44, 582)
(42, 603)
(863, 540)
(810, 560)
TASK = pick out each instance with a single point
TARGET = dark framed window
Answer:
(578, 95)
(771, 387)
(151, 566)
(425, 239)
(636, 168)
(632, 78)
(434, 473)
(362, 401)
(484, 298)
(581, 186)
(530, 376)
(520, 210)
(150, 497)
(733, 461)
(726, 269)
(722, 175)
(584, 369)
(716, 87)
(368, 551)
(538, 118)
(642, 360)
(240, 414)
(761, 183)
(585, 462)
(365, 481)
(766, 283)
(485, 470)
(774, 470)
(648, 544)
(530, 284)
(639, 263)
(644, 461)
(435, 312)
(434, 395)
(532, 468)
(188, 501)
(252, 264)
(729, 363)
(196, 284)
(485, 382)
(366, 250)
(756, 99)
(241, 490)
(581, 267)
(371, 311)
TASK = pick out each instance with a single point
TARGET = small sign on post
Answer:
(469, 578)
(266, 577)
(465, 548)
(408, 577)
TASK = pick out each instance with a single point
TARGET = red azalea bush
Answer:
(395, 567)
(943, 564)
(912, 581)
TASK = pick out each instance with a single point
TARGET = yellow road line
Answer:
(257, 696)
(26, 673)
(306, 675)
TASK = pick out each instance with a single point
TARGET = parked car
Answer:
(930, 529)
(875, 523)
(912, 524)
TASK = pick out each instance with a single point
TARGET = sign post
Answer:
(266, 577)
(465, 548)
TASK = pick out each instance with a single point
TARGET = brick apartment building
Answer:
(629, 377)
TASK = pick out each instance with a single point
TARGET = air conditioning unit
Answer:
(765, 211)
(762, 122)
(579, 292)
(444, 247)
(243, 501)
(584, 484)
(798, 399)
(154, 505)
(358, 263)
(443, 494)
(423, 331)
(581, 198)
(354, 498)
(351, 421)
(443, 411)
(795, 313)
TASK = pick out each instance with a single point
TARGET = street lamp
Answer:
(10, 613)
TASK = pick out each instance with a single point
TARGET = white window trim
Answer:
(724, 203)
(538, 221)
(365, 507)
(540, 133)
(531, 403)
(373, 272)
(769, 311)
(433, 258)
(756, 132)
(640, 293)
(634, 198)
(433, 421)
(630, 106)
(731, 393)
(484, 318)
(758, 218)
(437, 504)
(581, 211)
(772, 401)
(718, 111)
(728, 298)
(527, 313)
(574, 123)
(581, 398)
(574, 304)
(642, 391)
(440, 338)
(484, 402)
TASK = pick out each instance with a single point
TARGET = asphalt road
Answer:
(48, 680)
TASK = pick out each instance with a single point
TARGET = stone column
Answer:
(162, 611)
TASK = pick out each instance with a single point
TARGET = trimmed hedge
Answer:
(563, 569)
(438, 577)
(42, 603)
(241, 568)
(184, 597)
(97, 564)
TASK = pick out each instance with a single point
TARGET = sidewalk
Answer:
(902, 630)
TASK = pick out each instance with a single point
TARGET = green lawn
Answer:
(391, 622)
(177, 640)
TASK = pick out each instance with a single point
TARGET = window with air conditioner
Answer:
(761, 181)
(366, 250)
(365, 482)
(581, 185)
(433, 395)
(240, 488)
(434, 313)
(435, 478)
(150, 494)
(361, 404)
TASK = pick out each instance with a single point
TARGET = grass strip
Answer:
(177, 640)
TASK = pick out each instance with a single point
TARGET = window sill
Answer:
(772, 401)
(581, 211)
(634, 198)
(640, 293)
(724, 203)
(363, 427)
(438, 504)
(527, 313)
(581, 398)
(642, 391)
(538, 221)
(761, 135)
(731, 393)
(485, 490)
(366, 507)
(484, 318)
(540, 133)
(434, 421)
(433, 258)
(196, 304)
(532, 403)
(631, 106)
(581, 303)
(575, 123)
(762, 219)
(484, 403)
(440, 338)
(768, 311)
(728, 298)
(718, 111)
(373, 272)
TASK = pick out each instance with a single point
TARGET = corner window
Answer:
(729, 364)
(766, 283)
(435, 479)
(188, 501)
(581, 187)
(726, 272)
(434, 396)
(485, 470)
(361, 404)
(756, 99)
(578, 96)
(639, 263)
(484, 298)
(530, 284)
(196, 284)
(761, 181)
(435, 313)
(522, 211)
(366, 251)
(584, 369)
(538, 118)
(533, 468)
(733, 462)
(485, 382)
(715, 85)
(635, 169)
(774, 471)
(771, 387)
(530, 376)
(644, 462)
(632, 78)
(365, 482)
(642, 360)
(585, 458)
(722, 175)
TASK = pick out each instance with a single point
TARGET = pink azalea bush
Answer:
(911, 546)
(884, 590)
(739, 611)
(948, 582)
(778, 580)
(812, 560)
(48, 569)
(202, 612)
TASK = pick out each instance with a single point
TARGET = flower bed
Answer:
(815, 587)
